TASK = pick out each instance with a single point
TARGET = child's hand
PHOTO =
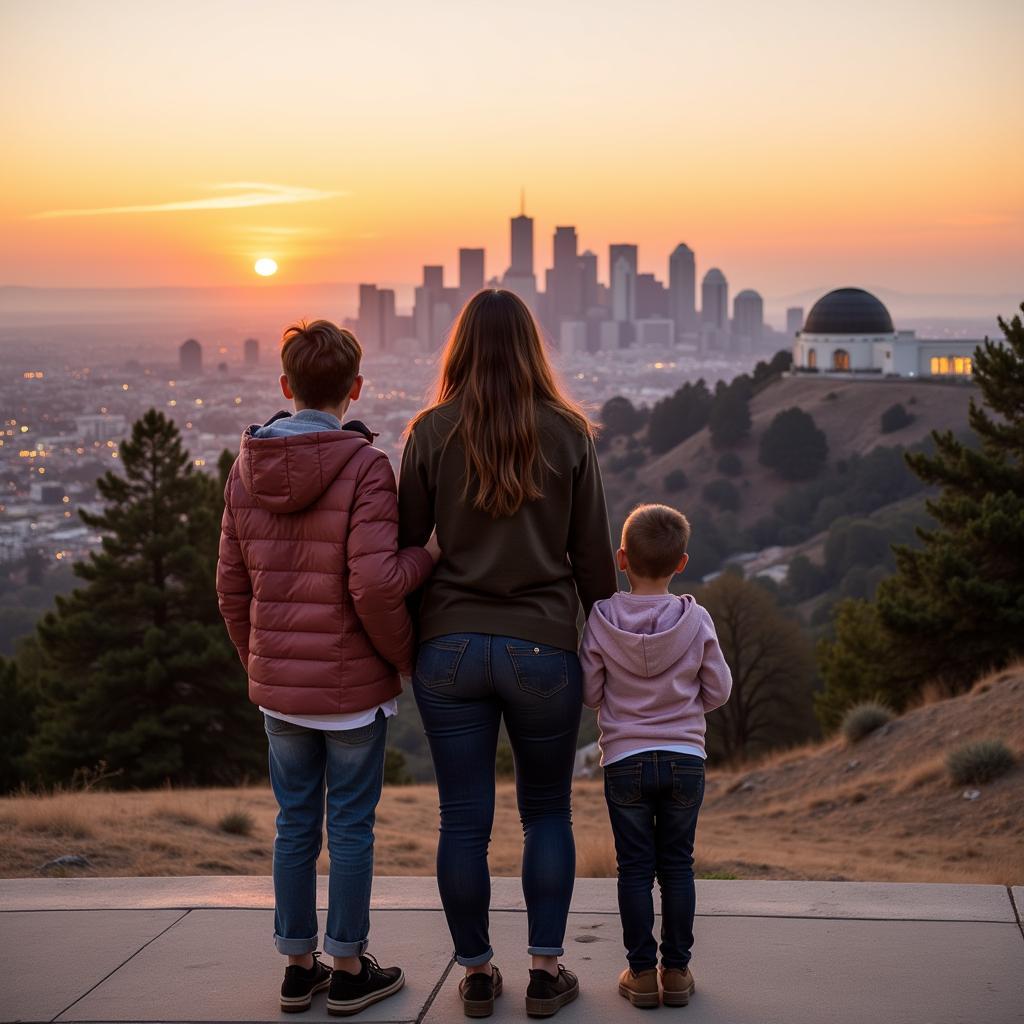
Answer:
(433, 548)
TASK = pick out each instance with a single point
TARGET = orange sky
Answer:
(795, 144)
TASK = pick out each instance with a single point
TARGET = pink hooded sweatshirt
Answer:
(652, 667)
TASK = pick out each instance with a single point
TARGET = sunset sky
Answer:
(795, 144)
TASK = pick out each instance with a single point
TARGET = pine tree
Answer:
(954, 609)
(134, 668)
(956, 603)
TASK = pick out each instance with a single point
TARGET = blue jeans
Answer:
(653, 801)
(464, 685)
(349, 765)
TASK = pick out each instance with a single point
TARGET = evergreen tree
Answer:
(956, 603)
(729, 422)
(678, 416)
(794, 446)
(17, 725)
(955, 607)
(134, 667)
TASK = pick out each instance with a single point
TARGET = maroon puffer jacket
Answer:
(310, 580)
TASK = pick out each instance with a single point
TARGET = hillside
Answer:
(848, 411)
(882, 810)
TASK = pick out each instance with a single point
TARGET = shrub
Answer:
(396, 772)
(895, 418)
(237, 823)
(863, 719)
(676, 480)
(722, 493)
(981, 761)
(730, 464)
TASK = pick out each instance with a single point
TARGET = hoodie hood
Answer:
(646, 635)
(289, 473)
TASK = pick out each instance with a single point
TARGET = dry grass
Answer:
(883, 810)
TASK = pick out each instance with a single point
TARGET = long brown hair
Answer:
(494, 364)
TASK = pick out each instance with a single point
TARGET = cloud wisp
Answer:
(237, 195)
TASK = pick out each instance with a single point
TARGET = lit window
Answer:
(840, 359)
(812, 359)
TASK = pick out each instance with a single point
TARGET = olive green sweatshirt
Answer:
(524, 575)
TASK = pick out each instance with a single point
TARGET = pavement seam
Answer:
(1016, 910)
(434, 992)
(110, 974)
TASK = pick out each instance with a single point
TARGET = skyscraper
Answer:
(588, 279)
(519, 277)
(369, 316)
(622, 280)
(747, 320)
(251, 352)
(651, 297)
(794, 320)
(471, 273)
(714, 300)
(427, 311)
(433, 277)
(566, 293)
(682, 290)
(190, 358)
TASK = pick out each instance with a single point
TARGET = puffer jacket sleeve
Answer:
(381, 575)
(234, 587)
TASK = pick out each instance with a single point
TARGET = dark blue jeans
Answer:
(349, 765)
(653, 801)
(464, 685)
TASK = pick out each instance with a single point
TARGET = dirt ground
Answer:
(883, 810)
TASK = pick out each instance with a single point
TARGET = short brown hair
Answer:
(321, 362)
(654, 538)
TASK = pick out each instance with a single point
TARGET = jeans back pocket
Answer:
(687, 784)
(540, 670)
(437, 662)
(623, 783)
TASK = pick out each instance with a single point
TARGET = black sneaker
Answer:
(351, 993)
(300, 983)
(547, 993)
(478, 992)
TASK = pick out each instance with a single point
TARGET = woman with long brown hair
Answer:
(503, 465)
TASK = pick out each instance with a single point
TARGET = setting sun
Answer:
(265, 267)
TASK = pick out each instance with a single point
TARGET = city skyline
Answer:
(800, 145)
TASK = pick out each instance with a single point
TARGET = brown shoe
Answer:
(478, 992)
(641, 989)
(677, 985)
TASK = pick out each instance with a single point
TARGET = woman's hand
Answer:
(433, 548)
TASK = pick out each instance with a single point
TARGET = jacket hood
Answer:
(646, 635)
(289, 473)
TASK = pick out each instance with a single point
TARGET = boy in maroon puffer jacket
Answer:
(312, 589)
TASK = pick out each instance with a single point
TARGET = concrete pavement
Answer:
(199, 949)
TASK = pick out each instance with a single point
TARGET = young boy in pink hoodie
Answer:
(652, 667)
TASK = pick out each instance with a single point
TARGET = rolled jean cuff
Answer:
(332, 947)
(475, 961)
(545, 951)
(294, 947)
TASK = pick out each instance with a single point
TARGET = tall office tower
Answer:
(714, 300)
(471, 273)
(622, 280)
(190, 358)
(589, 294)
(430, 294)
(369, 317)
(651, 297)
(433, 278)
(682, 290)
(251, 352)
(565, 295)
(519, 277)
(522, 244)
(388, 320)
(794, 320)
(747, 320)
